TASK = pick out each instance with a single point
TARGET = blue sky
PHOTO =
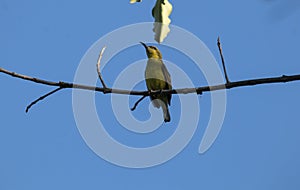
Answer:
(258, 144)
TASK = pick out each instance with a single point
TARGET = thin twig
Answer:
(41, 98)
(98, 67)
(223, 61)
(137, 103)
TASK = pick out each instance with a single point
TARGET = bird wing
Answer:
(167, 78)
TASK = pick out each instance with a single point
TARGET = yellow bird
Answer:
(158, 78)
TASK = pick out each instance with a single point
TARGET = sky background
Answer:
(258, 147)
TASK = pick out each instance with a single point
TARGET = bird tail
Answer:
(167, 117)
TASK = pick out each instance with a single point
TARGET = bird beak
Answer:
(146, 47)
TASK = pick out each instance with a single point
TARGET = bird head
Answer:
(152, 51)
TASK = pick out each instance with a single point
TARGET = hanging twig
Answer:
(41, 98)
(137, 103)
(223, 61)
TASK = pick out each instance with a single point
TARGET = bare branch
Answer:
(137, 103)
(41, 98)
(199, 90)
(98, 68)
(24, 77)
(223, 61)
(228, 85)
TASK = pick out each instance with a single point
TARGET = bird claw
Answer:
(152, 91)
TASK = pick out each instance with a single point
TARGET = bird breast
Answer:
(154, 70)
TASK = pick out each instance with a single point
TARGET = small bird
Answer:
(158, 78)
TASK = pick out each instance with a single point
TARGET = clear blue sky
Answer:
(258, 147)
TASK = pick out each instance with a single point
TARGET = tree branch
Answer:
(98, 68)
(228, 85)
(198, 90)
(223, 61)
(137, 103)
(41, 98)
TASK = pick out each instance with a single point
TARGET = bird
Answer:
(157, 77)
